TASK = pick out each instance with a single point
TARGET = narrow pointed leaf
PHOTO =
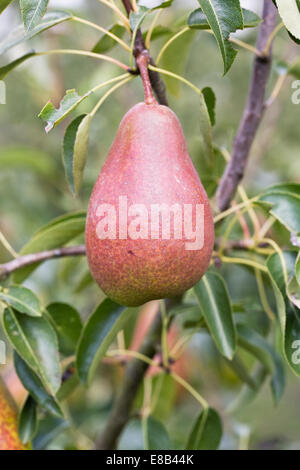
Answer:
(32, 12)
(55, 234)
(75, 147)
(214, 302)
(198, 19)
(12, 65)
(210, 100)
(288, 316)
(106, 43)
(98, 333)
(35, 341)
(34, 386)
(264, 352)
(28, 422)
(224, 18)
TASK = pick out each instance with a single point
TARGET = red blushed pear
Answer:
(9, 439)
(148, 169)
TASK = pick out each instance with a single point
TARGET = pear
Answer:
(137, 253)
(9, 439)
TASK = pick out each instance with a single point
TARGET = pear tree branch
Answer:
(253, 112)
(8, 268)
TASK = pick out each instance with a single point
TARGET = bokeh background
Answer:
(33, 191)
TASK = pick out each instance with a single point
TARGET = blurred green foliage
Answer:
(33, 191)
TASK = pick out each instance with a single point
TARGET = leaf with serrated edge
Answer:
(32, 12)
(35, 341)
(224, 18)
(54, 116)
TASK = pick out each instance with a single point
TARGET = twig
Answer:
(7, 268)
(140, 48)
(253, 112)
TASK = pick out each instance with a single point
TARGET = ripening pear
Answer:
(9, 438)
(149, 229)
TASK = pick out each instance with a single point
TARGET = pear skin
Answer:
(9, 439)
(148, 165)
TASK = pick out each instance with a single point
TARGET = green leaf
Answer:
(21, 299)
(35, 341)
(241, 371)
(4, 4)
(20, 158)
(206, 130)
(290, 14)
(67, 324)
(35, 387)
(248, 394)
(284, 203)
(175, 59)
(7, 68)
(53, 235)
(293, 292)
(155, 435)
(198, 19)
(263, 351)
(251, 19)
(210, 100)
(69, 383)
(28, 422)
(106, 43)
(211, 170)
(18, 35)
(297, 268)
(214, 302)
(54, 116)
(75, 147)
(49, 428)
(97, 335)
(207, 431)
(289, 322)
(294, 69)
(137, 17)
(158, 32)
(32, 12)
(224, 18)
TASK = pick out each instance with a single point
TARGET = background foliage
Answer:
(33, 192)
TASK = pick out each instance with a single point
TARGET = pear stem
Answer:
(143, 62)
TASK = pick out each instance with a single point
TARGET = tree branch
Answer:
(140, 48)
(253, 112)
(133, 377)
(7, 268)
